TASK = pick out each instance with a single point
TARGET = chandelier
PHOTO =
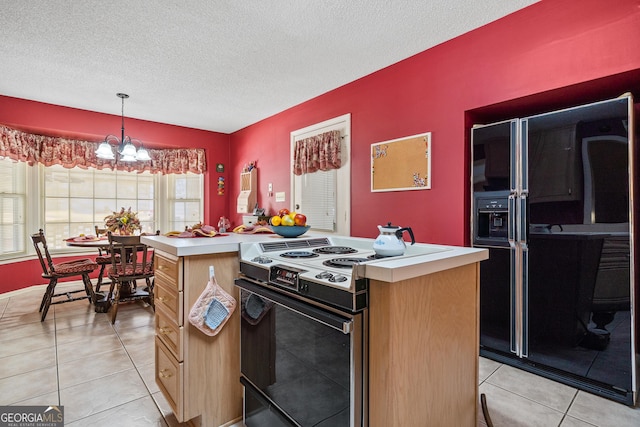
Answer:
(126, 149)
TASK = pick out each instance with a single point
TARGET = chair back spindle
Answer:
(40, 244)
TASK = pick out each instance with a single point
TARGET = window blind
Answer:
(319, 199)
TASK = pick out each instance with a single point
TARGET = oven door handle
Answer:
(327, 318)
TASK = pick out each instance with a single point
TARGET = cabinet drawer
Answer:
(170, 334)
(169, 377)
(169, 302)
(168, 271)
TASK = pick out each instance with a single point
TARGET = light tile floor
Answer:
(103, 374)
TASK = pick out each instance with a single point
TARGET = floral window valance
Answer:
(69, 153)
(319, 152)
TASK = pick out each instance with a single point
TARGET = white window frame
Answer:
(13, 193)
(34, 209)
(342, 202)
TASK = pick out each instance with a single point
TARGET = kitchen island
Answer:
(197, 374)
(423, 334)
(424, 338)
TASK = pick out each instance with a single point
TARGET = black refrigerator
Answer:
(552, 201)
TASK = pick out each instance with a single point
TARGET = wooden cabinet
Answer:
(197, 374)
(248, 191)
(169, 376)
(423, 349)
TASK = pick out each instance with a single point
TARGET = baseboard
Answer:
(41, 288)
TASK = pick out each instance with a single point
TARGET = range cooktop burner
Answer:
(298, 254)
(344, 262)
(334, 250)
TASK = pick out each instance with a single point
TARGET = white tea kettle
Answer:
(389, 242)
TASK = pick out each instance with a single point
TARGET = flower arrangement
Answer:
(124, 222)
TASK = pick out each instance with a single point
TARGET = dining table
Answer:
(88, 242)
(101, 243)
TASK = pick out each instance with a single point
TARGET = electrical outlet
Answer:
(270, 187)
(280, 196)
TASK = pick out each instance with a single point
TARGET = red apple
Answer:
(300, 219)
(283, 212)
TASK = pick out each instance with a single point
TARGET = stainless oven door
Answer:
(301, 365)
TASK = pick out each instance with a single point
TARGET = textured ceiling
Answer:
(216, 65)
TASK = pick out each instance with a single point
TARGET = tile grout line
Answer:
(55, 342)
(564, 413)
(140, 375)
(4, 309)
(132, 362)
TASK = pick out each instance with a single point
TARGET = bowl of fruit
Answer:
(289, 224)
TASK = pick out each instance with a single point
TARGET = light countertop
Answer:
(434, 258)
(179, 246)
(441, 258)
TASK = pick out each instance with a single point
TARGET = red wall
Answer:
(554, 53)
(62, 121)
(550, 55)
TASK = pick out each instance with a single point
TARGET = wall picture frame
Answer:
(401, 164)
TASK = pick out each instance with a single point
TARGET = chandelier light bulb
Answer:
(105, 151)
(142, 154)
(126, 149)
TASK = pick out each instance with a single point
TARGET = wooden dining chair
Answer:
(53, 272)
(103, 259)
(131, 261)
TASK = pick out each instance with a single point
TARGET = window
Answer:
(13, 198)
(324, 196)
(185, 199)
(70, 202)
(76, 200)
(318, 196)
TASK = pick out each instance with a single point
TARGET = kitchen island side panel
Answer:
(212, 364)
(424, 349)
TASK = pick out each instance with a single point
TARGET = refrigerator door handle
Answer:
(520, 285)
(513, 129)
(523, 155)
(511, 221)
(519, 300)
(514, 250)
(524, 299)
(513, 282)
(521, 228)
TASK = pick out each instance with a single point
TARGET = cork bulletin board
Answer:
(401, 164)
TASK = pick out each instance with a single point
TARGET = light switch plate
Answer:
(280, 196)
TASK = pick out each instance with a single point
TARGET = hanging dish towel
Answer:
(212, 309)
(254, 308)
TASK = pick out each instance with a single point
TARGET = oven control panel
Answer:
(285, 276)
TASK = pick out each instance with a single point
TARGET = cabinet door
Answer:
(169, 377)
(169, 302)
(170, 334)
(169, 271)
